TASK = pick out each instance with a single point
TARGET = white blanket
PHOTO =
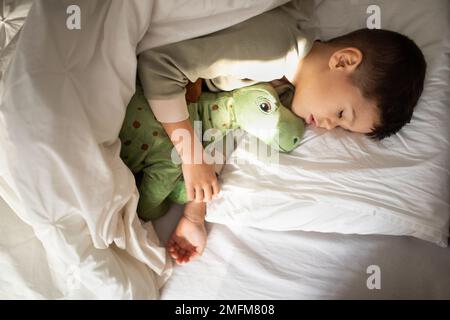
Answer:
(62, 103)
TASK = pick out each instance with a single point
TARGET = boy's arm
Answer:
(258, 49)
(200, 178)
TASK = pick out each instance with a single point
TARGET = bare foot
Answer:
(188, 240)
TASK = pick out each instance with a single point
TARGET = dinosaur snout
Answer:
(287, 144)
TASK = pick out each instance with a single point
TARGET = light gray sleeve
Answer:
(255, 47)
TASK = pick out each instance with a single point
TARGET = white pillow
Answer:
(343, 182)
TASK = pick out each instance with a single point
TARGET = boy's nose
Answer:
(327, 124)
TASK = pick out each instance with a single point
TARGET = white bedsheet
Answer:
(62, 103)
(249, 263)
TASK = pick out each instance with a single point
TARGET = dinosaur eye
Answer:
(265, 107)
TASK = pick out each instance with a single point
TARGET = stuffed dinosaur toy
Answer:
(147, 149)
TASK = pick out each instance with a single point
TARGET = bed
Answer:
(68, 223)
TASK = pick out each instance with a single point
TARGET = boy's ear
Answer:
(347, 59)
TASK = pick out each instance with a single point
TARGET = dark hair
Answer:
(391, 74)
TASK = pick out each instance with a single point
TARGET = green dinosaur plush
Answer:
(147, 149)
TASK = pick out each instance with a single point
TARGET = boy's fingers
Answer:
(207, 192)
(198, 194)
(190, 193)
(182, 258)
(216, 188)
(191, 255)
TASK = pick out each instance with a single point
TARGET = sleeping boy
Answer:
(367, 81)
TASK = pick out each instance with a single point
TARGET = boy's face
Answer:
(326, 98)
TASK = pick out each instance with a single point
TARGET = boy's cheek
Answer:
(297, 110)
(297, 104)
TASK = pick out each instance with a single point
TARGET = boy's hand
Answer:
(200, 177)
(188, 240)
(201, 182)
